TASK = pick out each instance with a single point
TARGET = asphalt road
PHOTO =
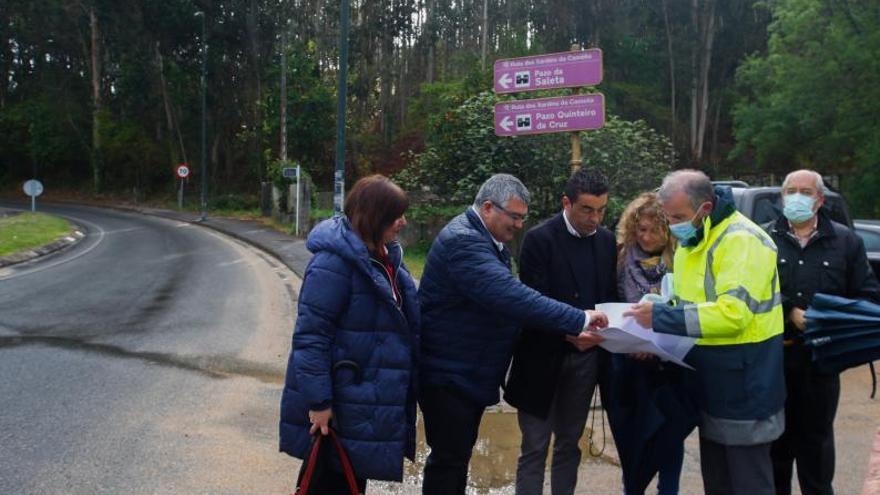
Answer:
(148, 358)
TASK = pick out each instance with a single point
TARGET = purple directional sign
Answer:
(548, 71)
(545, 115)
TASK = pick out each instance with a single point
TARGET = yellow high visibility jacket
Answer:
(727, 297)
(728, 285)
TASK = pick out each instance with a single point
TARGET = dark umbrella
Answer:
(843, 333)
(649, 411)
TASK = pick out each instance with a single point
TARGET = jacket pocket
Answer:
(783, 266)
(724, 382)
(832, 275)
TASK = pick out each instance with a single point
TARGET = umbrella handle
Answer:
(873, 379)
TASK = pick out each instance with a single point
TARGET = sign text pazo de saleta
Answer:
(549, 71)
(544, 115)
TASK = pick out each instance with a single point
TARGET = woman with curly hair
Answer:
(649, 412)
(645, 248)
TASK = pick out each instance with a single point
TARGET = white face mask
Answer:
(798, 207)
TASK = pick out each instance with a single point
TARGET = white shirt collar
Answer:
(571, 229)
(498, 244)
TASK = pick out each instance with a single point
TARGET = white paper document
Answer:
(625, 336)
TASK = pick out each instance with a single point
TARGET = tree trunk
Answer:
(282, 150)
(431, 41)
(97, 169)
(5, 53)
(173, 129)
(484, 32)
(401, 86)
(703, 18)
(670, 52)
(705, 64)
(713, 152)
(386, 66)
(256, 110)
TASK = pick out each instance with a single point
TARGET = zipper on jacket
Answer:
(392, 282)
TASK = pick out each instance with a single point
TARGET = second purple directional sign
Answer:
(549, 71)
(544, 115)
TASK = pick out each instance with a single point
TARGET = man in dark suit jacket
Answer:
(572, 259)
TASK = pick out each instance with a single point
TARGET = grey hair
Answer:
(820, 184)
(695, 184)
(500, 189)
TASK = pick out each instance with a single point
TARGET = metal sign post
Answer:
(341, 91)
(298, 189)
(33, 188)
(576, 160)
(182, 171)
(291, 172)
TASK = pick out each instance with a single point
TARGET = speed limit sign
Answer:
(182, 171)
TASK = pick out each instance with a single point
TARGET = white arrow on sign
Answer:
(505, 123)
(505, 80)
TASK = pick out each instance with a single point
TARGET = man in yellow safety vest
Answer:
(727, 297)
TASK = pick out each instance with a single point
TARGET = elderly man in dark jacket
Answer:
(472, 309)
(815, 255)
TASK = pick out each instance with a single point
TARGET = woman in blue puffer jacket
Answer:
(356, 342)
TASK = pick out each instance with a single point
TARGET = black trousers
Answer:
(451, 427)
(735, 470)
(810, 407)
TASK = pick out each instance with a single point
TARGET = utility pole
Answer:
(342, 87)
(576, 158)
(283, 151)
(204, 87)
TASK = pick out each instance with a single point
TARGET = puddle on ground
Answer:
(493, 465)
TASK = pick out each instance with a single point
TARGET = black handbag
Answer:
(313, 467)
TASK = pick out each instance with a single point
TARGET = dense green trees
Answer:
(814, 99)
(463, 151)
(105, 94)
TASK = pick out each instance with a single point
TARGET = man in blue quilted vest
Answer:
(472, 310)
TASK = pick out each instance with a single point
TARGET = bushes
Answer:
(463, 151)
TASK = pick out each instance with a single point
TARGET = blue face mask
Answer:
(684, 231)
(798, 207)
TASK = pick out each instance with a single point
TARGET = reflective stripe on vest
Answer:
(740, 292)
(691, 310)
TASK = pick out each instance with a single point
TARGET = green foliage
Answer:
(235, 202)
(463, 151)
(131, 157)
(320, 213)
(813, 100)
(274, 175)
(434, 100)
(45, 132)
(426, 212)
(311, 107)
(415, 257)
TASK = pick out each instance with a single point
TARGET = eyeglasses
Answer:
(516, 217)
